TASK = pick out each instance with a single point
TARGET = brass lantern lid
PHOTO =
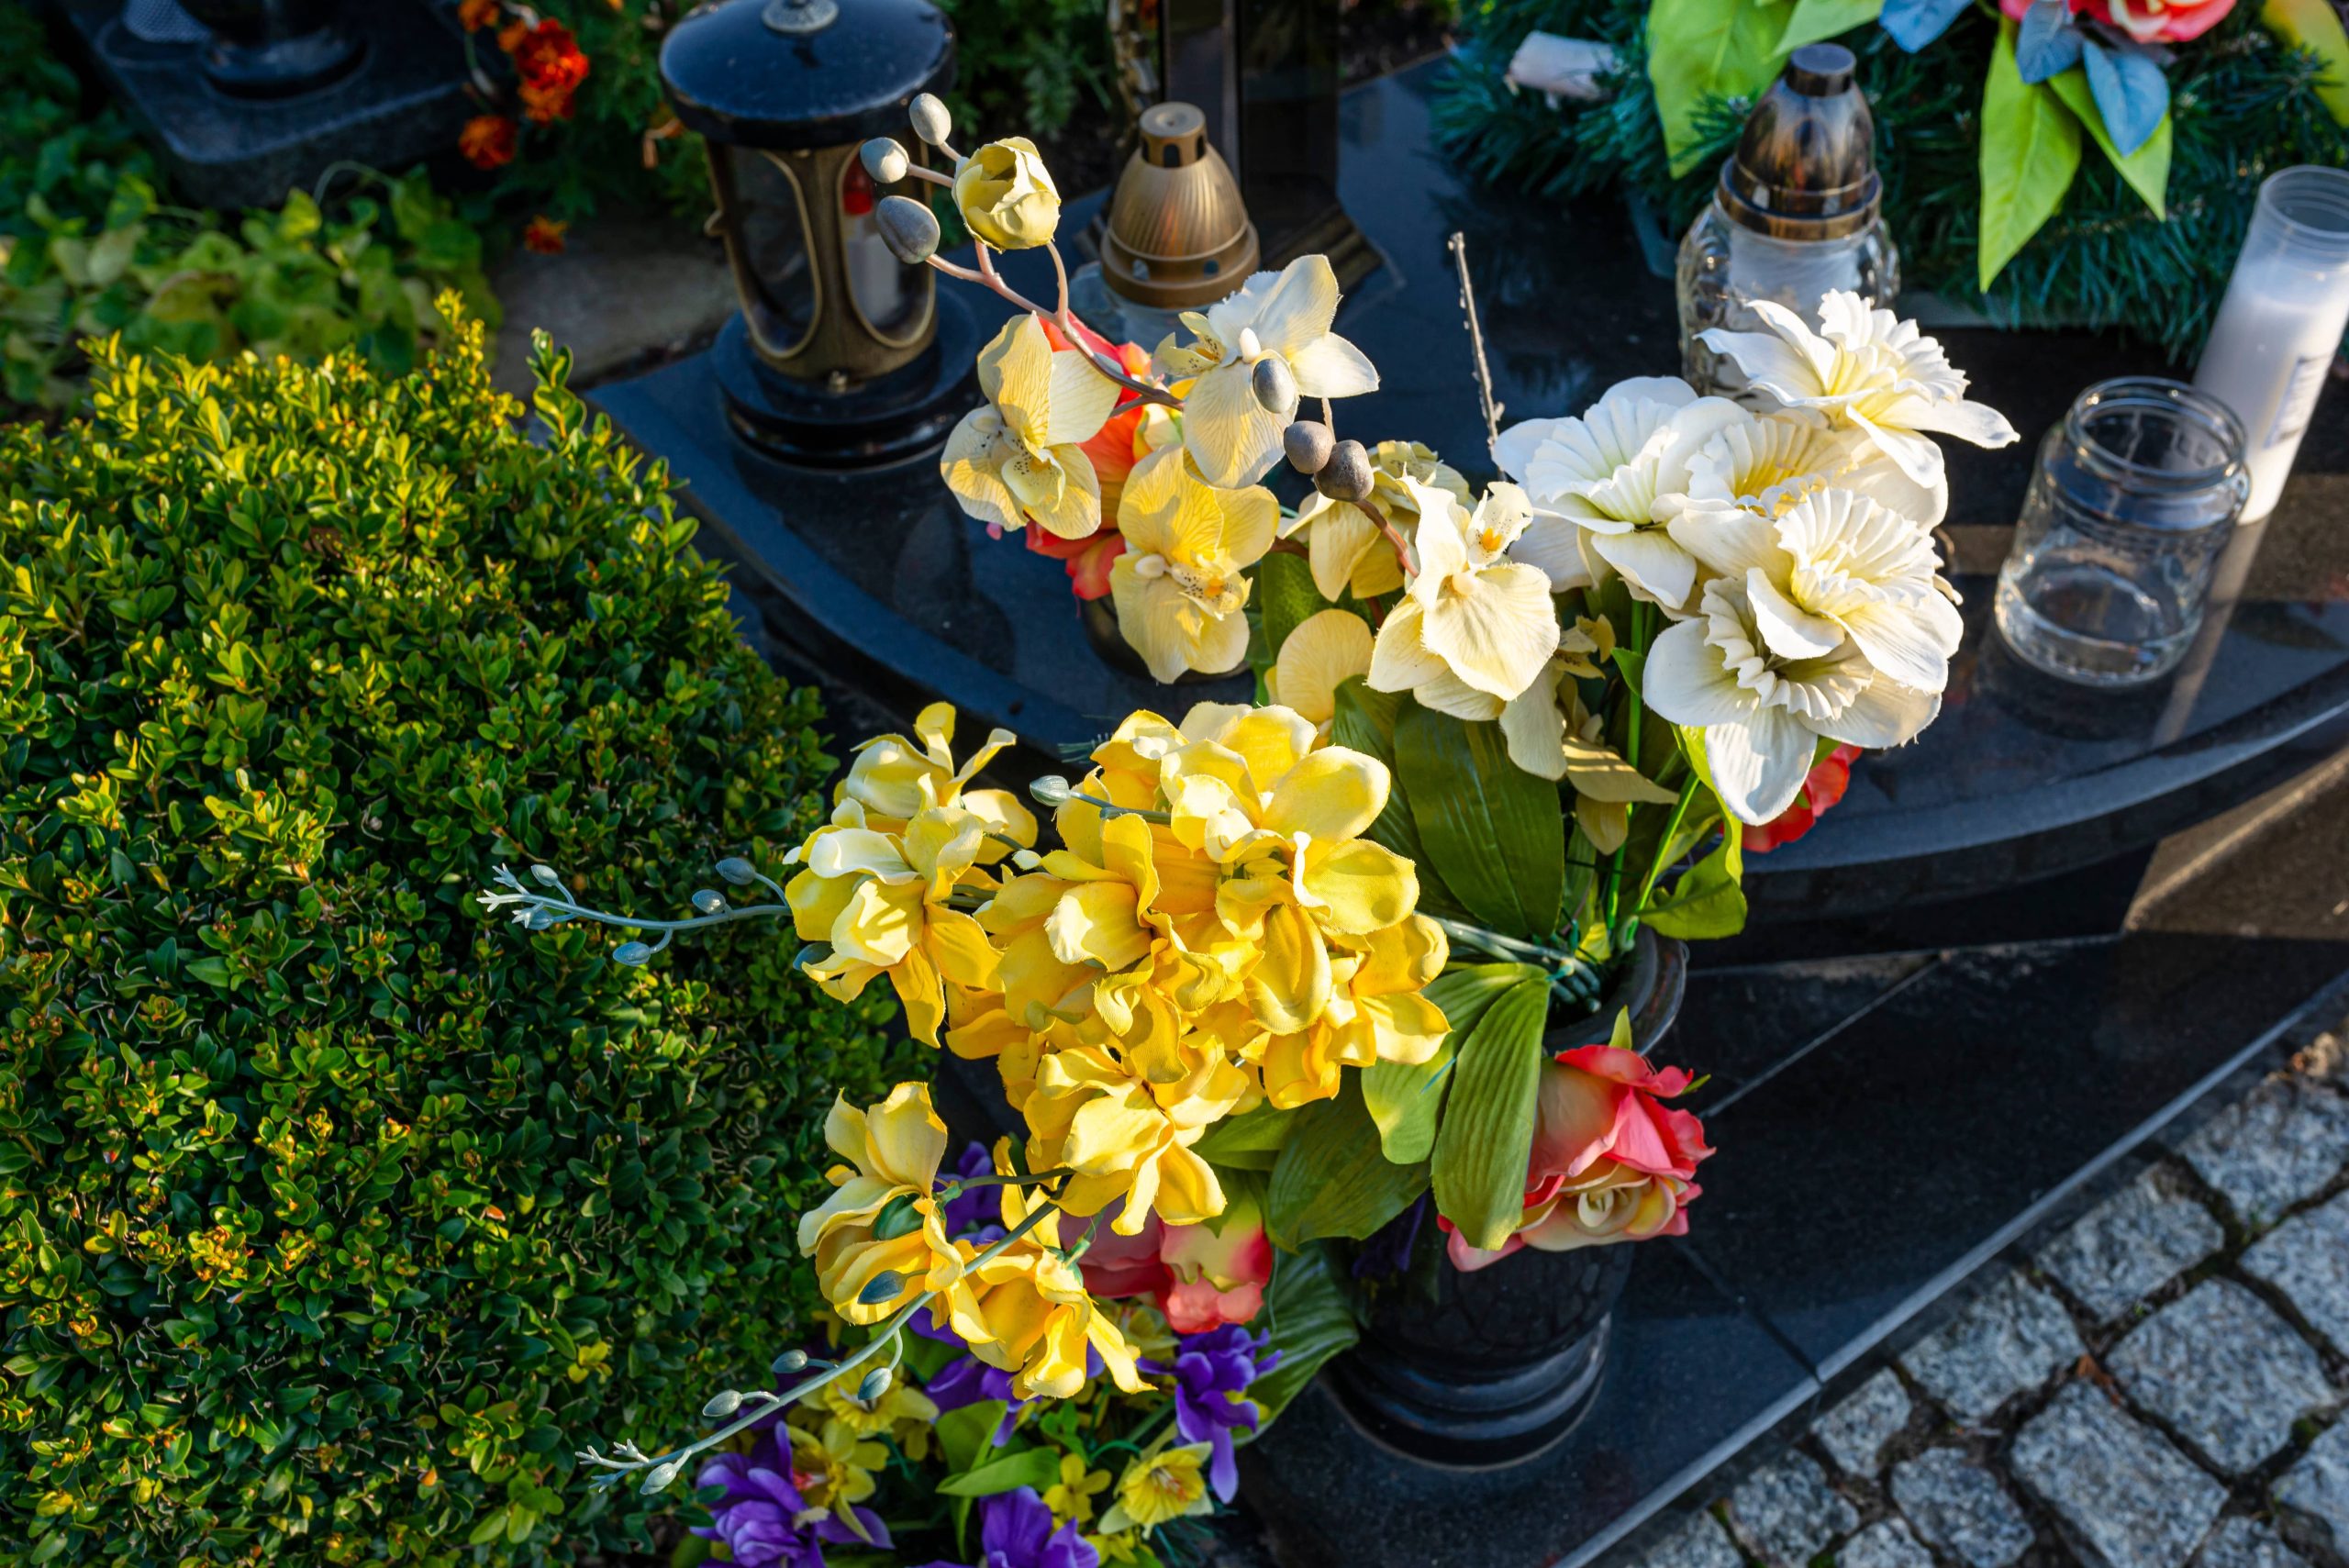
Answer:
(1177, 235)
(1805, 167)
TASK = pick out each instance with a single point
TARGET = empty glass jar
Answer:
(2135, 494)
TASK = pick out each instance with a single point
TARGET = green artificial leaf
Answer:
(1478, 1170)
(1707, 49)
(1261, 1132)
(968, 1432)
(1285, 596)
(2030, 150)
(1813, 21)
(1310, 1315)
(1403, 1098)
(1495, 834)
(1037, 1467)
(2315, 26)
(1331, 1179)
(1366, 723)
(2147, 169)
(1710, 898)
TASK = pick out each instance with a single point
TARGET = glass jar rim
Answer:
(2326, 188)
(2173, 397)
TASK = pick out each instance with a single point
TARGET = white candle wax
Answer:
(1794, 274)
(2277, 331)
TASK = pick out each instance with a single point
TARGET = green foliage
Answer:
(2243, 105)
(1309, 1312)
(1331, 1179)
(337, 1215)
(91, 250)
(1495, 834)
(1699, 50)
(1404, 1098)
(1479, 1165)
(2030, 150)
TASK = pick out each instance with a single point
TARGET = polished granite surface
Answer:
(2021, 777)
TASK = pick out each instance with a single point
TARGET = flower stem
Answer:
(1663, 846)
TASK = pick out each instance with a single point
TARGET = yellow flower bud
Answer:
(1005, 197)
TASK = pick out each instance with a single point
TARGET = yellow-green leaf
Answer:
(1403, 1098)
(2147, 169)
(1814, 20)
(2030, 150)
(1479, 1165)
(2315, 26)
(1707, 49)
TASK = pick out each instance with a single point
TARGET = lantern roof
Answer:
(793, 74)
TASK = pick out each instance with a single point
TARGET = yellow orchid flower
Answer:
(1158, 1489)
(1376, 1012)
(892, 778)
(1326, 648)
(1124, 1136)
(1476, 627)
(1286, 315)
(881, 1218)
(879, 899)
(1349, 553)
(1178, 587)
(1041, 1323)
(1018, 457)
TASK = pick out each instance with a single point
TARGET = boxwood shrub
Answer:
(334, 1215)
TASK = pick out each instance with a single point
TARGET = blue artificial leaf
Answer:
(2046, 43)
(2130, 90)
(1913, 24)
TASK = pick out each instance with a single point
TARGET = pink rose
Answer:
(2147, 21)
(1200, 1276)
(1609, 1161)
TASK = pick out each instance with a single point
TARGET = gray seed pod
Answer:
(908, 227)
(1308, 443)
(875, 1384)
(883, 160)
(930, 120)
(1346, 476)
(1275, 386)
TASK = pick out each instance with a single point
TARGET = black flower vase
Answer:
(1491, 1368)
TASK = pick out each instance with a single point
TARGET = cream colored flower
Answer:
(1552, 735)
(1762, 714)
(1018, 456)
(1007, 196)
(1600, 485)
(1835, 566)
(1475, 626)
(1178, 587)
(1865, 370)
(1767, 465)
(1325, 650)
(1351, 553)
(1234, 438)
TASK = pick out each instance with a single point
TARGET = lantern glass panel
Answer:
(889, 296)
(770, 224)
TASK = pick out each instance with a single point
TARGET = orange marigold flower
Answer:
(478, 14)
(544, 105)
(510, 36)
(544, 235)
(548, 58)
(487, 141)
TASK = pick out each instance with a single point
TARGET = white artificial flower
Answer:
(1834, 568)
(1865, 370)
(1474, 628)
(1767, 465)
(1599, 484)
(1764, 714)
(1234, 437)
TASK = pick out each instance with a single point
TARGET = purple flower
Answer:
(968, 1380)
(1015, 1532)
(974, 1211)
(1211, 1370)
(759, 1515)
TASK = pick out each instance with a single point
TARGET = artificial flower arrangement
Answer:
(1291, 979)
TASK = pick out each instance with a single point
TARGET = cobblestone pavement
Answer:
(2159, 1384)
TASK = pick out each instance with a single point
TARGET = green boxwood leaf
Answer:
(1478, 1170)
(1707, 49)
(1331, 1179)
(1309, 1315)
(1495, 834)
(2030, 150)
(2147, 169)
(1403, 1099)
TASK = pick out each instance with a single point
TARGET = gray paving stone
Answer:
(2281, 1143)
(1887, 1543)
(2225, 1372)
(1698, 1541)
(2307, 1258)
(2136, 1241)
(1786, 1513)
(1960, 1508)
(2123, 1498)
(1854, 1433)
(2317, 1488)
(2246, 1543)
(2010, 1340)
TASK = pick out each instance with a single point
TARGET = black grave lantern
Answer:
(842, 355)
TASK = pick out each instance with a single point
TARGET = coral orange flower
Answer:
(1821, 788)
(544, 235)
(1088, 559)
(487, 141)
(548, 58)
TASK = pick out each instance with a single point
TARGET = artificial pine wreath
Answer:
(2071, 240)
